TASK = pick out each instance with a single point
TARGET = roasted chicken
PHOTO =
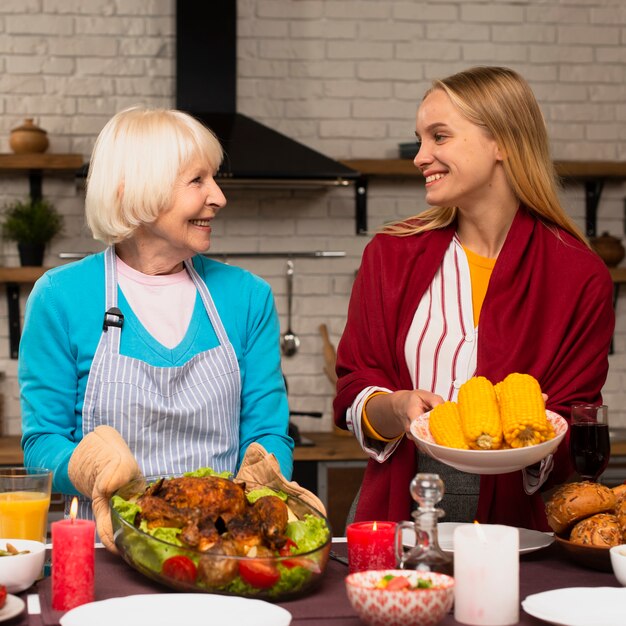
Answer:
(214, 515)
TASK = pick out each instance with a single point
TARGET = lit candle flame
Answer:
(480, 531)
(374, 527)
(74, 509)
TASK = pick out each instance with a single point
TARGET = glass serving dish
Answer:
(187, 569)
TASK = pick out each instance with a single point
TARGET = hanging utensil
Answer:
(290, 342)
(330, 355)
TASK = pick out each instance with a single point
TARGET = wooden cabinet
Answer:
(333, 469)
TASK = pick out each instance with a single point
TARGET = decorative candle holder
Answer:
(371, 545)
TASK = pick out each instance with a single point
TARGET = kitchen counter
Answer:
(328, 447)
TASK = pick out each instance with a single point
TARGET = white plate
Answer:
(12, 607)
(529, 540)
(487, 461)
(579, 606)
(166, 609)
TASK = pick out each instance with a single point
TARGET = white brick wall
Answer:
(343, 76)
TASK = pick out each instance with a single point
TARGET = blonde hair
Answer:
(135, 161)
(500, 101)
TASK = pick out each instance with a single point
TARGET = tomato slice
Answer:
(303, 561)
(297, 561)
(180, 568)
(286, 549)
(397, 583)
(259, 573)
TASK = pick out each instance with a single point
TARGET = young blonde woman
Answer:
(149, 357)
(494, 278)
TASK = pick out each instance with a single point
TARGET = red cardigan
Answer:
(547, 312)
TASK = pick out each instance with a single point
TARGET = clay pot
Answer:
(28, 138)
(609, 249)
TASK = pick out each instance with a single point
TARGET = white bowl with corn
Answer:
(492, 429)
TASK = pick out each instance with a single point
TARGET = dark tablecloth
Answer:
(328, 605)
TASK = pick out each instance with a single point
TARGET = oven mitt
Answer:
(101, 463)
(258, 466)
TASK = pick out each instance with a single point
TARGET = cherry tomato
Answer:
(180, 568)
(286, 549)
(297, 561)
(397, 583)
(3, 595)
(259, 573)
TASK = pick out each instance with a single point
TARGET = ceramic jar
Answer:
(28, 138)
(609, 248)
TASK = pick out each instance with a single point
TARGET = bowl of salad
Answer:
(400, 597)
(205, 532)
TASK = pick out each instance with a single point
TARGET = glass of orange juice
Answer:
(24, 502)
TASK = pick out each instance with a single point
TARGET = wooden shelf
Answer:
(12, 277)
(618, 274)
(36, 164)
(21, 274)
(41, 161)
(565, 169)
(592, 173)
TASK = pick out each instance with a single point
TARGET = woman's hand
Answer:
(100, 464)
(391, 414)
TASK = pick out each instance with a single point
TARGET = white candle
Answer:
(486, 575)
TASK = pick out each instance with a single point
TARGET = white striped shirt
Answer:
(441, 345)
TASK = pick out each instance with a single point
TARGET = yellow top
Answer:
(480, 268)
(480, 272)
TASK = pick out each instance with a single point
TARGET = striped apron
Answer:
(174, 419)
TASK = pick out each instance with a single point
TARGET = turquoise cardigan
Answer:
(62, 327)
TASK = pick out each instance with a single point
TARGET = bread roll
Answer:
(620, 492)
(575, 501)
(620, 514)
(602, 530)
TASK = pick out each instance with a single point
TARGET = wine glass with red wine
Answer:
(589, 444)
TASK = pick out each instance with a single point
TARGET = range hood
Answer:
(206, 78)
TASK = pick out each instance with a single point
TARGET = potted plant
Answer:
(32, 224)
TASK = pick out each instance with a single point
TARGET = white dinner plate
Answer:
(579, 606)
(165, 609)
(487, 461)
(12, 607)
(529, 540)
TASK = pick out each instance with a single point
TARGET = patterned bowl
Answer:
(414, 607)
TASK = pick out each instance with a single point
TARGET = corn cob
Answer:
(445, 426)
(523, 411)
(480, 415)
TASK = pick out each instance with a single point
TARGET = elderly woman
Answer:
(494, 278)
(149, 357)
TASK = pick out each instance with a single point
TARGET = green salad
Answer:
(172, 559)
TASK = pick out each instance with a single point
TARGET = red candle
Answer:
(73, 561)
(371, 545)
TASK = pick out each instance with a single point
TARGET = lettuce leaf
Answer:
(261, 492)
(126, 510)
(308, 533)
(203, 472)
